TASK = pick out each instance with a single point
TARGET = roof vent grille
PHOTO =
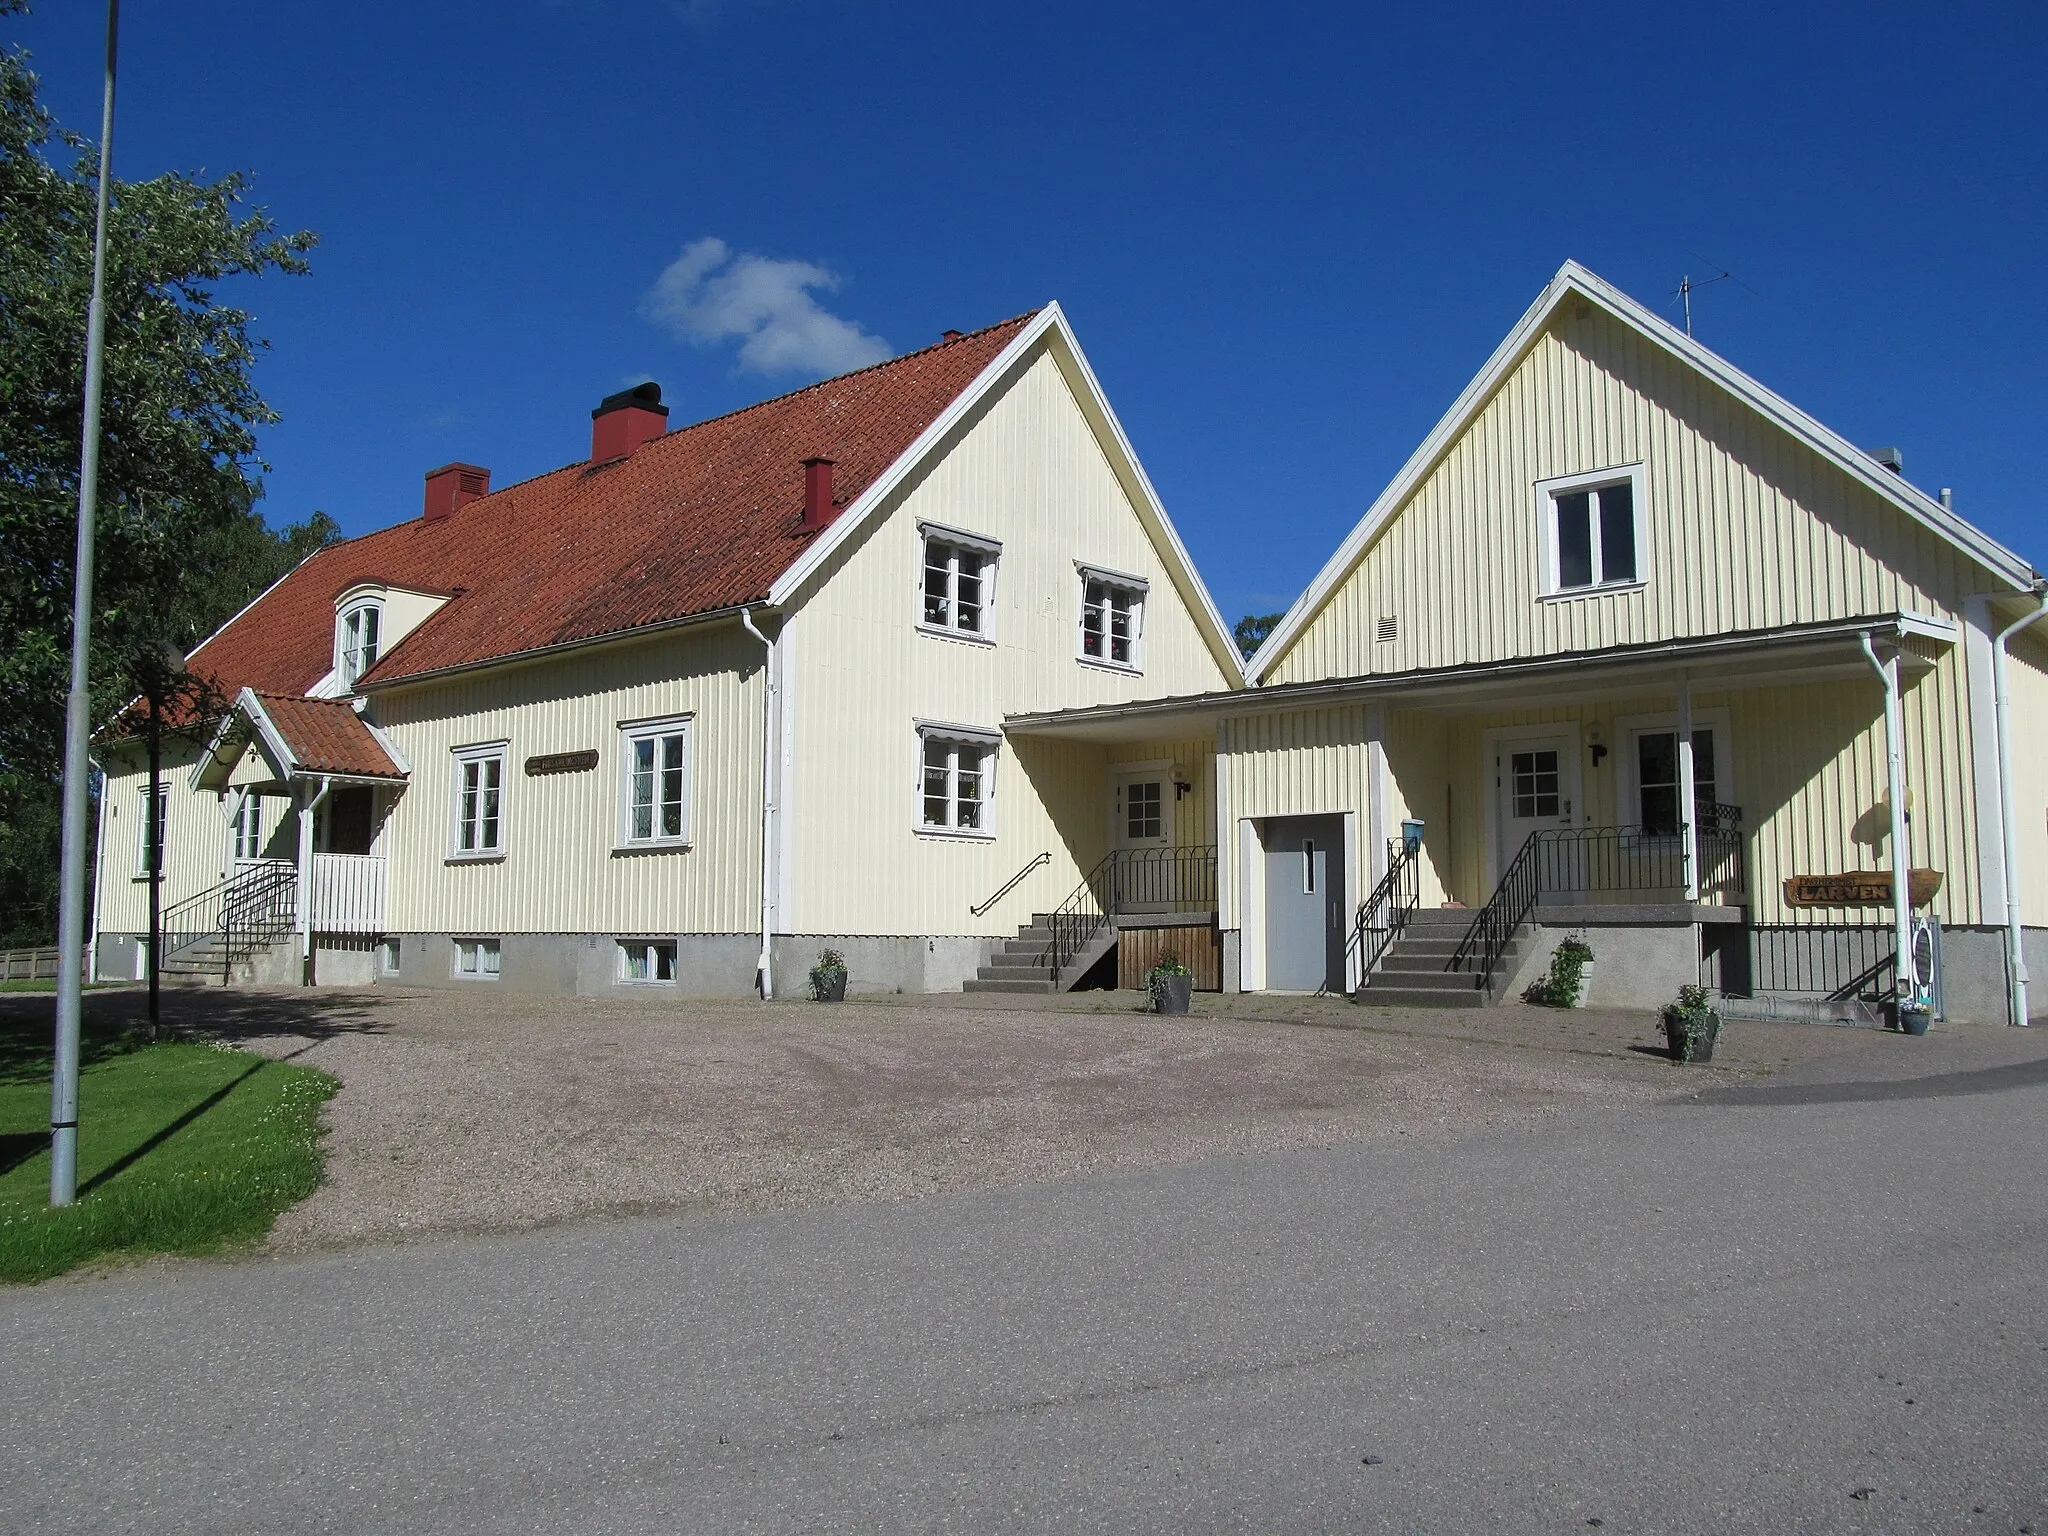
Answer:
(1388, 629)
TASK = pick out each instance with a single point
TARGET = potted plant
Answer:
(1692, 1025)
(1564, 984)
(1170, 983)
(1914, 1016)
(828, 977)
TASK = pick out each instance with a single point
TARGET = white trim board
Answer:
(1573, 279)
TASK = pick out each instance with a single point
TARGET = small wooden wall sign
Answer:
(560, 762)
(1859, 888)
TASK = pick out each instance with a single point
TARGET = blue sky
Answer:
(1286, 235)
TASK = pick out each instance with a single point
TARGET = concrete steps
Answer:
(210, 960)
(1411, 974)
(1024, 964)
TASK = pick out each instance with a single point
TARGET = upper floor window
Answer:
(1592, 530)
(957, 590)
(248, 828)
(360, 630)
(956, 780)
(655, 798)
(480, 802)
(1112, 618)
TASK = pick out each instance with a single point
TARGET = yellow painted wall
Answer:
(2028, 675)
(1746, 528)
(561, 873)
(1027, 471)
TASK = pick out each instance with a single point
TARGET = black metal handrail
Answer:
(1130, 880)
(1481, 948)
(251, 908)
(1386, 911)
(1010, 884)
(1836, 961)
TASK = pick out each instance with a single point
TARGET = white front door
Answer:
(1535, 782)
(1141, 821)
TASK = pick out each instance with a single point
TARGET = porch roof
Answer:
(1743, 658)
(301, 738)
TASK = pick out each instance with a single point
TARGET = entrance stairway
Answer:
(1412, 974)
(1024, 964)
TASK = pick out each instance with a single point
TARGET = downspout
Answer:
(769, 692)
(2001, 711)
(306, 810)
(1895, 789)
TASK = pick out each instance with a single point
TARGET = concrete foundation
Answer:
(1233, 960)
(1635, 965)
(881, 962)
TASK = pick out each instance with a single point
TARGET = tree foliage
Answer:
(180, 543)
(1252, 629)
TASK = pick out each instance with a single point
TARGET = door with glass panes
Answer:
(1141, 826)
(1535, 784)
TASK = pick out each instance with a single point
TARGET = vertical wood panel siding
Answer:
(2028, 672)
(561, 873)
(1746, 528)
(1026, 471)
(195, 838)
(1199, 949)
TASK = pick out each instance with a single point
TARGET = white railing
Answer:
(348, 893)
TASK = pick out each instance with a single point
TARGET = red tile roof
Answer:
(328, 736)
(700, 519)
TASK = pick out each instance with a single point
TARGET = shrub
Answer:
(1562, 983)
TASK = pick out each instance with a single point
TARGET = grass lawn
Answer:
(182, 1148)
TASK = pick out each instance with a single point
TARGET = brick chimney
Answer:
(452, 486)
(622, 422)
(818, 508)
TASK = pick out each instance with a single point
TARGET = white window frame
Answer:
(649, 947)
(345, 670)
(1628, 731)
(955, 541)
(1547, 493)
(163, 828)
(482, 752)
(249, 810)
(1134, 588)
(390, 955)
(631, 733)
(489, 955)
(989, 744)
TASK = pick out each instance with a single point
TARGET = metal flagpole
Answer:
(78, 705)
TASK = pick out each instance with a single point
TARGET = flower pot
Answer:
(1171, 994)
(1914, 1021)
(828, 986)
(1688, 1040)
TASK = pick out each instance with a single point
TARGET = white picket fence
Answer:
(348, 893)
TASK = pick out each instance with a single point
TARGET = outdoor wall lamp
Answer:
(1599, 747)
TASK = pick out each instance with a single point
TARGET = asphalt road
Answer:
(1804, 1306)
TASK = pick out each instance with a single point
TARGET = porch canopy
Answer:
(268, 743)
(1808, 653)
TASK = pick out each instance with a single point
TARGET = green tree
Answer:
(181, 545)
(1252, 629)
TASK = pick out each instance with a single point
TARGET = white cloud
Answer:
(712, 293)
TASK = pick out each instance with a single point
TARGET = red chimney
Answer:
(622, 422)
(818, 508)
(452, 486)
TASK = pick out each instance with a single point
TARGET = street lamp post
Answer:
(78, 703)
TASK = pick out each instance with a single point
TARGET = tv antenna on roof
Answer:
(1684, 293)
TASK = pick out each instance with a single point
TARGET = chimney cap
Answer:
(818, 458)
(1890, 458)
(951, 335)
(646, 397)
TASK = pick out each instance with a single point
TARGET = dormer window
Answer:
(360, 633)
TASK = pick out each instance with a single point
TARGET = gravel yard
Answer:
(479, 1110)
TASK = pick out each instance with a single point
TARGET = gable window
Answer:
(1592, 531)
(1112, 618)
(647, 960)
(361, 627)
(655, 797)
(957, 586)
(480, 802)
(248, 828)
(956, 781)
(150, 861)
(476, 959)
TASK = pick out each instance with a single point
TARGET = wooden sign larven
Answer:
(561, 762)
(1859, 888)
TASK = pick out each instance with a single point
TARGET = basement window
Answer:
(476, 959)
(1592, 531)
(647, 960)
(956, 591)
(956, 772)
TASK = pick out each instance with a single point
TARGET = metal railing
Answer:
(1840, 962)
(1386, 911)
(257, 905)
(1591, 866)
(1130, 880)
(1010, 884)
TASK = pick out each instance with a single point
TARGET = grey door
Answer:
(1305, 903)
